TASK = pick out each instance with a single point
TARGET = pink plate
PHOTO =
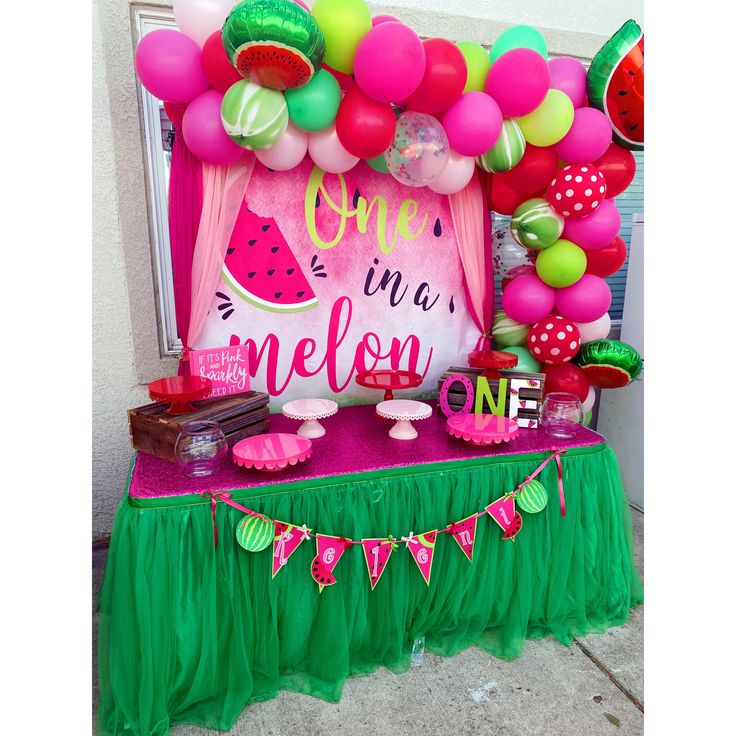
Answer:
(272, 451)
(482, 429)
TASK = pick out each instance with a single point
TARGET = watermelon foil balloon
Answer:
(616, 84)
(609, 363)
(275, 43)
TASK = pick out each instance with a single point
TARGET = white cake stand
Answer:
(405, 412)
(311, 411)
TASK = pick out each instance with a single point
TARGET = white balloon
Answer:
(328, 153)
(457, 173)
(199, 19)
(509, 258)
(597, 330)
(287, 152)
(589, 402)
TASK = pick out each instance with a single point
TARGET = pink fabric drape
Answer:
(472, 230)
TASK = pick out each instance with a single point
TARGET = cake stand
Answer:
(310, 411)
(405, 412)
(272, 451)
(180, 391)
(389, 381)
(482, 429)
(492, 361)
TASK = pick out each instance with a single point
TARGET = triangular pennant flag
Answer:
(329, 551)
(377, 552)
(464, 534)
(287, 538)
(422, 550)
(502, 511)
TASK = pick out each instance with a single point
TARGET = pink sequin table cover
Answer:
(357, 441)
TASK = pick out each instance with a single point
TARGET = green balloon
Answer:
(588, 416)
(314, 106)
(478, 63)
(519, 37)
(527, 362)
(562, 264)
(378, 163)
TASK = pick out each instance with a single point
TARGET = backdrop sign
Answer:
(328, 275)
(227, 368)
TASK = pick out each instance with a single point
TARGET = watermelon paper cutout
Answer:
(464, 534)
(286, 539)
(329, 551)
(422, 550)
(502, 511)
(321, 575)
(377, 552)
(514, 529)
(261, 268)
(616, 84)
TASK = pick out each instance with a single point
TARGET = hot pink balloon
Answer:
(473, 124)
(389, 62)
(527, 299)
(585, 301)
(569, 76)
(596, 230)
(455, 176)
(169, 65)
(203, 131)
(518, 81)
(287, 152)
(588, 138)
(384, 19)
(328, 153)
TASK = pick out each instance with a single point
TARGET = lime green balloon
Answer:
(478, 63)
(314, 106)
(550, 122)
(343, 24)
(562, 264)
(587, 418)
(527, 362)
(378, 163)
(519, 37)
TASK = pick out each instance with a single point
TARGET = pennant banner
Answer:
(502, 511)
(422, 550)
(464, 534)
(377, 552)
(329, 551)
(287, 538)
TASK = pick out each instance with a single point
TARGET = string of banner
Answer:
(256, 532)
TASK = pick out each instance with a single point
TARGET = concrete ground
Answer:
(594, 687)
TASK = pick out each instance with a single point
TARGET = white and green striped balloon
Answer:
(507, 151)
(535, 224)
(254, 117)
(254, 533)
(532, 498)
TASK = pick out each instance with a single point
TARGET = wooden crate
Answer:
(240, 415)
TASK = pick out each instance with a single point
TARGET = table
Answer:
(192, 634)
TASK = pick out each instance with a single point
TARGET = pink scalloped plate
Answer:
(483, 429)
(272, 451)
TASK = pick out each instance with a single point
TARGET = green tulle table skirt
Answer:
(190, 634)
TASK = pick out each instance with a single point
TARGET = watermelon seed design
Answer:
(316, 201)
(437, 228)
(515, 527)
(227, 304)
(356, 197)
(452, 305)
(317, 268)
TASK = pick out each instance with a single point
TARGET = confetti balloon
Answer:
(536, 225)
(610, 363)
(419, 151)
(254, 117)
(509, 258)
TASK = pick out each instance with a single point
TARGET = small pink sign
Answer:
(227, 368)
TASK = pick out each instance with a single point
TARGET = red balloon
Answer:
(444, 78)
(502, 198)
(175, 112)
(364, 126)
(606, 261)
(618, 167)
(566, 377)
(534, 171)
(217, 67)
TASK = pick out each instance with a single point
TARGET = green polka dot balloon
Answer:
(506, 331)
(254, 533)
(507, 152)
(254, 117)
(536, 225)
(532, 498)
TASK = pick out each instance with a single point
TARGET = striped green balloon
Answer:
(254, 117)
(507, 331)
(536, 225)
(507, 152)
(254, 533)
(532, 498)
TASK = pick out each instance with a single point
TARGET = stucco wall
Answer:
(126, 352)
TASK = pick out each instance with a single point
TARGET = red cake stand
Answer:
(388, 381)
(492, 361)
(180, 391)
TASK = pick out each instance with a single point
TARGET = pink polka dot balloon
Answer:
(554, 339)
(577, 190)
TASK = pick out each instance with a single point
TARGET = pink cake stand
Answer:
(310, 411)
(272, 451)
(482, 429)
(405, 411)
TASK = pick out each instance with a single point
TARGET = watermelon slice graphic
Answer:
(261, 268)
(616, 84)
(321, 574)
(514, 529)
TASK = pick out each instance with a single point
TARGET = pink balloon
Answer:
(389, 62)
(588, 138)
(518, 81)
(287, 152)
(169, 65)
(527, 299)
(473, 123)
(455, 176)
(328, 153)
(569, 76)
(596, 330)
(203, 131)
(384, 19)
(585, 301)
(596, 230)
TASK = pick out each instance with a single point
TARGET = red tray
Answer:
(492, 361)
(180, 391)
(389, 381)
